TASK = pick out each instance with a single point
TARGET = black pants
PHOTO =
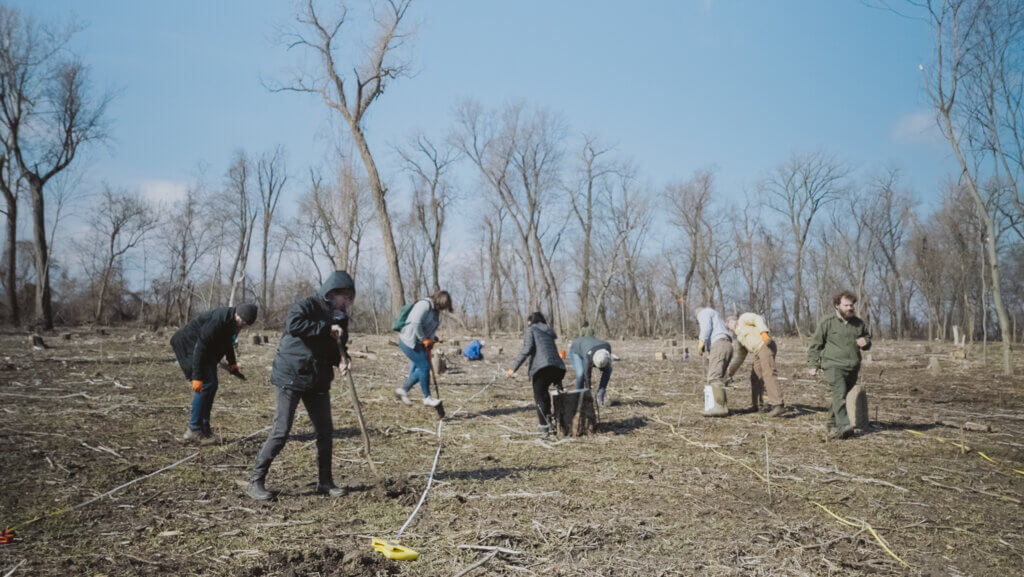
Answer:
(543, 379)
(318, 406)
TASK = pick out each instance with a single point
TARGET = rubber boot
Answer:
(715, 404)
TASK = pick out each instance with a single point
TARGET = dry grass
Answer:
(660, 491)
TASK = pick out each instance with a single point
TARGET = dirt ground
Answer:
(658, 491)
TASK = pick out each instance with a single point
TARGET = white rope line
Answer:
(437, 455)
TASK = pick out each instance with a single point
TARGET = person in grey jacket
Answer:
(314, 342)
(546, 367)
(586, 353)
(417, 339)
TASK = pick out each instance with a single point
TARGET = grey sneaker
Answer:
(331, 490)
(777, 411)
(845, 433)
(431, 401)
(192, 435)
(544, 430)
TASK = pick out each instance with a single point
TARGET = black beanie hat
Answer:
(247, 312)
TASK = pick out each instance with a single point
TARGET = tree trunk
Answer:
(44, 307)
(11, 251)
(383, 220)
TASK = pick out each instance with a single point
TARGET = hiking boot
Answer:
(431, 401)
(402, 396)
(777, 411)
(331, 490)
(192, 435)
(208, 439)
(601, 397)
(257, 491)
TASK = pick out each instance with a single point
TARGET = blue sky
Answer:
(677, 85)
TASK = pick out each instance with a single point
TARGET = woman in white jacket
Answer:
(417, 339)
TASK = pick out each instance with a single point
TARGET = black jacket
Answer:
(204, 341)
(539, 346)
(308, 353)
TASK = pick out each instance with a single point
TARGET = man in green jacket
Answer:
(835, 350)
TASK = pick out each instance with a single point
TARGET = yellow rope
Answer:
(864, 525)
(966, 448)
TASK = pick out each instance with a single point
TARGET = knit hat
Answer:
(248, 312)
(602, 358)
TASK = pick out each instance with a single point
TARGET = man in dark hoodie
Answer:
(546, 367)
(314, 342)
(199, 346)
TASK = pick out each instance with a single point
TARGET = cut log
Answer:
(967, 425)
(659, 356)
(958, 354)
(934, 367)
(256, 340)
(266, 339)
(66, 336)
(572, 406)
(37, 341)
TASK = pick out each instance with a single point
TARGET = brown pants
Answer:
(719, 357)
(764, 377)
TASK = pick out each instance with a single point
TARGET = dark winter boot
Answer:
(257, 491)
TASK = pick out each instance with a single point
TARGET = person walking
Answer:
(417, 339)
(546, 367)
(835, 351)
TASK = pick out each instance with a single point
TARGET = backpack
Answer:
(399, 322)
(473, 351)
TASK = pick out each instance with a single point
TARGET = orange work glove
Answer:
(765, 338)
(233, 369)
(428, 344)
(197, 386)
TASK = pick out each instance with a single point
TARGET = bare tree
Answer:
(592, 169)
(10, 187)
(428, 165)
(518, 155)
(271, 176)
(120, 221)
(47, 113)
(689, 203)
(352, 95)
(238, 201)
(962, 67)
(798, 189)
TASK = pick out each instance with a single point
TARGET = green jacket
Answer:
(834, 344)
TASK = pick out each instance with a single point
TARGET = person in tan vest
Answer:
(752, 337)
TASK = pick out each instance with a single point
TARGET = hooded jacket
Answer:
(539, 345)
(204, 341)
(308, 353)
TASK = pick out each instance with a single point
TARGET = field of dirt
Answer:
(659, 490)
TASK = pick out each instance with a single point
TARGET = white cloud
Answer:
(163, 191)
(917, 128)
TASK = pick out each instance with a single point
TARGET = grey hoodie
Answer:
(539, 345)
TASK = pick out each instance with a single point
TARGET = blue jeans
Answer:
(202, 403)
(420, 369)
(579, 365)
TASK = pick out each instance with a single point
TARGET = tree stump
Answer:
(256, 340)
(37, 341)
(959, 354)
(66, 336)
(266, 339)
(934, 367)
(439, 364)
(659, 356)
(857, 407)
(574, 413)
